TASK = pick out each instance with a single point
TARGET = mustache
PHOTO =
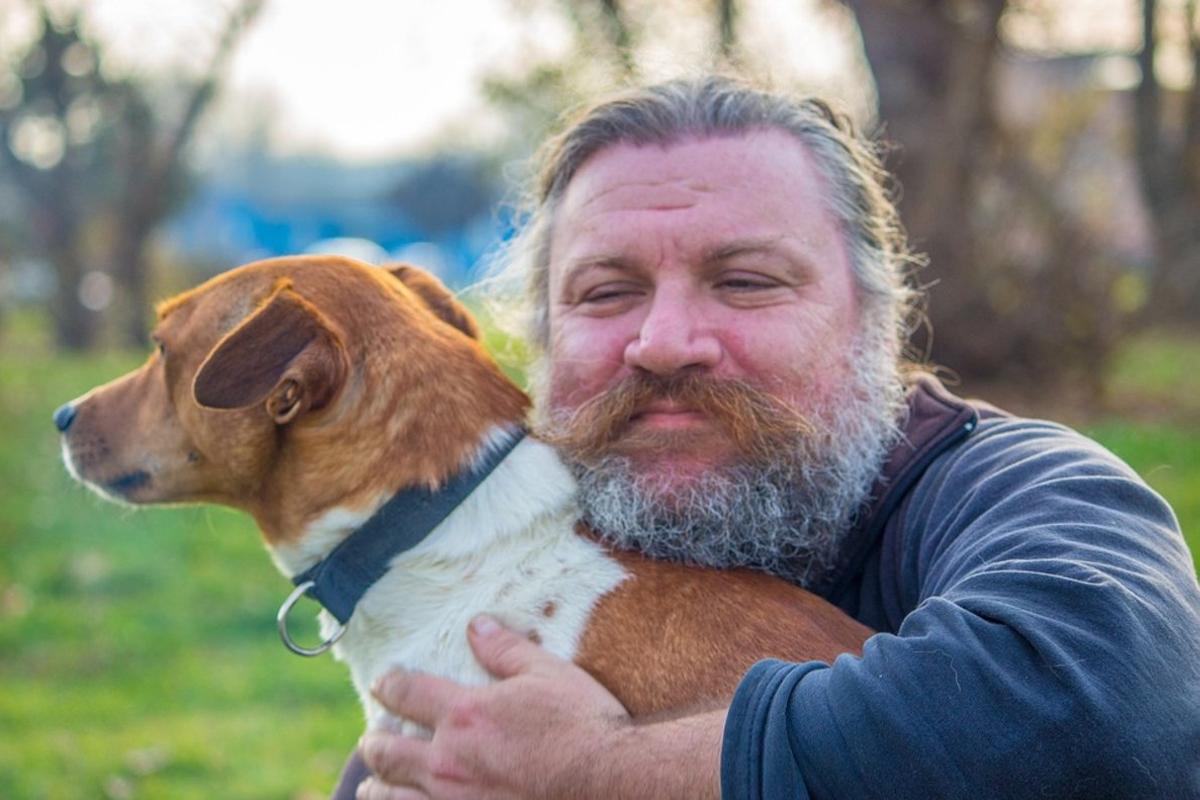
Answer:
(761, 427)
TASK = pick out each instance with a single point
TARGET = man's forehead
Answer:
(705, 161)
(720, 195)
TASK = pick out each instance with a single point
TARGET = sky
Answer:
(367, 80)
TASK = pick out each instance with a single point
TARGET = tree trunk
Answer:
(75, 325)
(932, 64)
(152, 188)
(1169, 166)
(131, 274)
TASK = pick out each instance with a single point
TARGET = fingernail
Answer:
(485, 625)
(381, 682)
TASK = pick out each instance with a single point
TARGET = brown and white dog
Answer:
(309, 391)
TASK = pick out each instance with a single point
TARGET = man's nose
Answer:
(673, 337)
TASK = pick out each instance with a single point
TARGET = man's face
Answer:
(711, 258)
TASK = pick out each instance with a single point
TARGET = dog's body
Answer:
(308, 392)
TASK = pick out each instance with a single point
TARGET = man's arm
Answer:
(545, 730)
(1051, 649)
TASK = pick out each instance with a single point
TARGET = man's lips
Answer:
(668, 415)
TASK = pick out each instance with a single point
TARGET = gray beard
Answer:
(788, 518)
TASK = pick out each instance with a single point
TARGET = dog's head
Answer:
(287, 383)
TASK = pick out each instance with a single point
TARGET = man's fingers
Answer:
(422, 698)
(373, 789)
(502, 652)
(396, 759)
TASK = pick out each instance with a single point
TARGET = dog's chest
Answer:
(544, 581)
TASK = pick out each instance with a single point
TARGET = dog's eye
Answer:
(162, 348)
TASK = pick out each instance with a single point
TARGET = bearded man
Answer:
(718, 283)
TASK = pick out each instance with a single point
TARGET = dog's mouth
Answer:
(119, 489)
(122, 489)
(128, 483)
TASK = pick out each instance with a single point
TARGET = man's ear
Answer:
(284, 354)
(437, 297)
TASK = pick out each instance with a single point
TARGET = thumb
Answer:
(503, 652)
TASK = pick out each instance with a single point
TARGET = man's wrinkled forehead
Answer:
(630, 166)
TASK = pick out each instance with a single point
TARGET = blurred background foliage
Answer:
(1047, 156)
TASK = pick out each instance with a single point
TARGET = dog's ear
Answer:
(284, 354)
(437, 297)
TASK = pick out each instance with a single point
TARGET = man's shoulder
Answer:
(1023, 483)
(964, 466)
(993, 437)
(1026, 447)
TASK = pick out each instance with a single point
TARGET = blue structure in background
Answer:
(259, 207)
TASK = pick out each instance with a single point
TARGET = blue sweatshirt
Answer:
(1039, 624)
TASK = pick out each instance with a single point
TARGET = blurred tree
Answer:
(97, 164)
(932, 61)
(1043, 315)
(52, 141)
(608, 36)
(154, 169)
(1168, 151)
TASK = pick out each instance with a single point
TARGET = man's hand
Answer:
(547, 729)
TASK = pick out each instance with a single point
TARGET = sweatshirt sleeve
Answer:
(1052, 647)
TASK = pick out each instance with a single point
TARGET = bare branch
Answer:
(1190, 146)
(1148, 123)
(619, 36)
(726, 20)
(205, 90)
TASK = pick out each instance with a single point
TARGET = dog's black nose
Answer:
(64, 416)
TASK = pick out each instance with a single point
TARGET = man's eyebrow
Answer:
(787, 248)
(737, 247)
(612, 261)
(608, 260)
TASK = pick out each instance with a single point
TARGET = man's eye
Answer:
(746, 284)
(606, 294)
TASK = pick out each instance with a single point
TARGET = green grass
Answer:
(1152, 373)
(1152, 420)
(138, 654)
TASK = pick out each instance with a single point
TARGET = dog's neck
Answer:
(393, 428)
(530, 482)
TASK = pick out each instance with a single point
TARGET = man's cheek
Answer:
(576, 377)
(569, 390)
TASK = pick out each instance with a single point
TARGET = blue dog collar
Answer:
(340, 580)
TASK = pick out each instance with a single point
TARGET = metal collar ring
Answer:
(281, 621)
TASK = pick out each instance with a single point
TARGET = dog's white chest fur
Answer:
(509, 550)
